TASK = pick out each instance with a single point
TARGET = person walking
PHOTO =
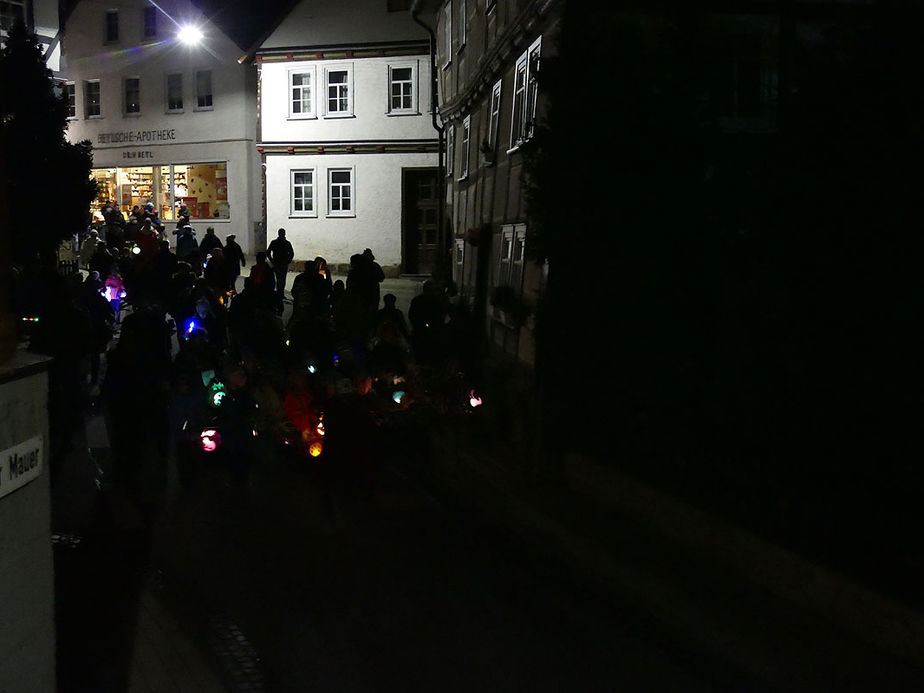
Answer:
(280, 253)
(234, 256)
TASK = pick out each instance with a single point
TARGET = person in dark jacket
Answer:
(234, 256)
(280, 253)
(209, 243)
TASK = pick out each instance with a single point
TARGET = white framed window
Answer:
(402, 88)
(450, 148)
(303, 193)
(174, 100)
(489, 146)
(512, 254)
(132, 92)
(203, 90)
(341, 196)
(150, 22)
(338, 88)
(466, 146)
(70, 94)
(525, 90)
(111, 27)
(463, 21)
(91, 99)
(447, 34)
(301, 93)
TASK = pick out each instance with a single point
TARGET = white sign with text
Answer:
(20, 464)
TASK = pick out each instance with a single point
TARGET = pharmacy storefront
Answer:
(212, 180)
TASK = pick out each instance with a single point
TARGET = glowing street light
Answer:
(189, 34)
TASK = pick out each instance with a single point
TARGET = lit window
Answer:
(303, 194)
(204, 90)
(525, 91)
(132, 95)
(112, 26)
(466, 146)
(340, 192)
(175, 93)
(338, 81)
(92, 99)
(150, 22)
(402, 88)
(203, 188)
(301, 88)
(70, 93)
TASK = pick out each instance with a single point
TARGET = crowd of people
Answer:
(345, 351)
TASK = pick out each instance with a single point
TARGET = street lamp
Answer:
(189, 34)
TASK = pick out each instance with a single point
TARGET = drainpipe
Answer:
(441, 168)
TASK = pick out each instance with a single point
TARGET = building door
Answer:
(420, 220)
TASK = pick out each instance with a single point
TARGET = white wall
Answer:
(377, 224)
(370, 120)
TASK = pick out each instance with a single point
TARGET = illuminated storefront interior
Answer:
(203, 188)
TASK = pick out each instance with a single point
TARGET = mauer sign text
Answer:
(20, 464)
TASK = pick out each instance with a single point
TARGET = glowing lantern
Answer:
(312, 368)
(398, 396)
(473, 400)
(315, 449)
(136, 250)
(210, 439)
(320, 427)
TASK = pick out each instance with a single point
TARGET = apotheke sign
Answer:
(136, 136)
(21, 464)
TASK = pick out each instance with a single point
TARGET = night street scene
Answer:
(461, 345)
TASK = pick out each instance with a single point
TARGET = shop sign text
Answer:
(132, 136)
(20, 464)
(143, 154)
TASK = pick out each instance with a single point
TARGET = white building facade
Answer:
(347, 135)
(170, 122)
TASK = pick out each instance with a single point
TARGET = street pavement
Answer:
(445, 573)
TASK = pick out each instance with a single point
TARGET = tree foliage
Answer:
(46, 179)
